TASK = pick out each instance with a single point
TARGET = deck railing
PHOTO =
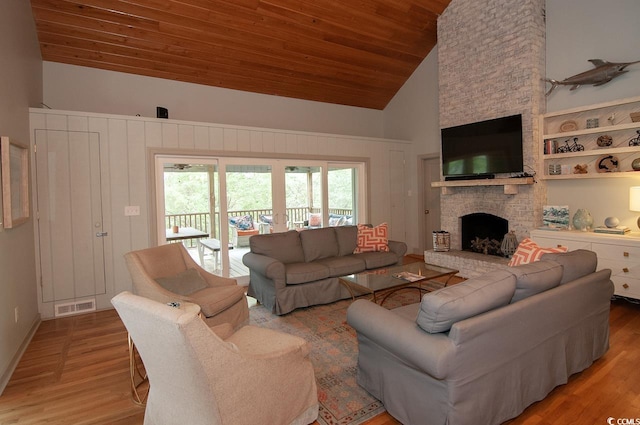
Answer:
(201, 221)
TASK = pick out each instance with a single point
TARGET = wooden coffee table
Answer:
(375, 282)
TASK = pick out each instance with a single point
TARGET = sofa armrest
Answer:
(431, 353)
(266, 266)
(399, 248)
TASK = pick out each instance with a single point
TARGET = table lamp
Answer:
(634, 200)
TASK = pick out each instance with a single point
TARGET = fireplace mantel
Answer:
(510, 184)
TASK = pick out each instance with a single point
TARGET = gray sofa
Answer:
(481, 351)
(300, 268)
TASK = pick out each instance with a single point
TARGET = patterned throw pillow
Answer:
(372, 238)
(315, 220)
(244, 223)
(528, 251)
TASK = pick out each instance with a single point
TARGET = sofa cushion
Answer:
(440, 309)
(376, 259)
(535, 277)
(319, 243)
(184, 283)
(528, 251)
(575, 264)
(285, 247)
(213, 300)
(342, 266)
(305, 272)
(347, 237)
(372, 238)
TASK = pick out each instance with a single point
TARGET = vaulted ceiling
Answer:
(348, 52)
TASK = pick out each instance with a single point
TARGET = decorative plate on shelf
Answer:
(607, 164)
(569, 125)
(604, 141)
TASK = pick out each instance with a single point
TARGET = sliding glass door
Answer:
(223, 201)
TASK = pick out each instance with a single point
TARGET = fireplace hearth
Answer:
(483, 233)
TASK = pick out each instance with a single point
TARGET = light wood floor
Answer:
(75, 371)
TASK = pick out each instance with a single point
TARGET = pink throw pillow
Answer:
(528, 251)
(372, 238)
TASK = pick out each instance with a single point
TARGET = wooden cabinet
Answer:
(564, 129)
(620, 253)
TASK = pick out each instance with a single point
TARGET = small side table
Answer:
(137, 374)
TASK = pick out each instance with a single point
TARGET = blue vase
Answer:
(582, 220)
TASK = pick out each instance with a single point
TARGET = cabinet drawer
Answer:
(628, 254)
(553, 243)
(626, 287)
(620, 267)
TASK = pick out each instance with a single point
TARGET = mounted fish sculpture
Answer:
(602, 73)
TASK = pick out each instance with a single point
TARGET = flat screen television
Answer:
(482, 149)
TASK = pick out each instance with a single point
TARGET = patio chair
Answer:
(242, 228)
(167, 273)
(200, 377)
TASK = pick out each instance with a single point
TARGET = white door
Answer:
(69, 213)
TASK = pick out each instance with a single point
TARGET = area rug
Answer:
(334, 354)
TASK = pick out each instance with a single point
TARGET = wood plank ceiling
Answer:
(350, 52)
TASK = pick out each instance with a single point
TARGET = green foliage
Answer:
(248, 191)
(188, 192)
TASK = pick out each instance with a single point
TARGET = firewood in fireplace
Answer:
(486, 246)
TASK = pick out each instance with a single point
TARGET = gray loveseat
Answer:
(481, 351)
(298, 269)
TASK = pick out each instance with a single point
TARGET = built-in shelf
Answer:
(510, 185)
(613, 120)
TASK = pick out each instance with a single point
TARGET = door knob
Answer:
(426, 211)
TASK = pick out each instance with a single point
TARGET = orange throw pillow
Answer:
(528, 251)
(372, 238)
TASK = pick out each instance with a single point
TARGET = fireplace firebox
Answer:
(482, 232)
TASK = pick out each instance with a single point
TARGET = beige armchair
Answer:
(197, 377)
(167, 273)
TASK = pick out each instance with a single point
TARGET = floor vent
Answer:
(75, 307)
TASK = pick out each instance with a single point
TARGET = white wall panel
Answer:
(243, 141)
(255, 144)
(291, 144)
(216, 138)
(138, 193)
(230, 139)
(78, 123)
(56, 122)
(120, 234)
(128, 140)
(268, 142)
(201, 138)
(153, 134)
(170, 137)
(186, 136)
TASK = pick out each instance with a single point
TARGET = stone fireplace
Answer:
(480, 80)
(491, 63)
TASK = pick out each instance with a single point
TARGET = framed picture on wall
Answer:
(555, 216)
(14, 165)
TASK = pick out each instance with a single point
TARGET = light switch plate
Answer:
(130, 210)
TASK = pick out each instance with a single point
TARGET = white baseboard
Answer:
(4, 380)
